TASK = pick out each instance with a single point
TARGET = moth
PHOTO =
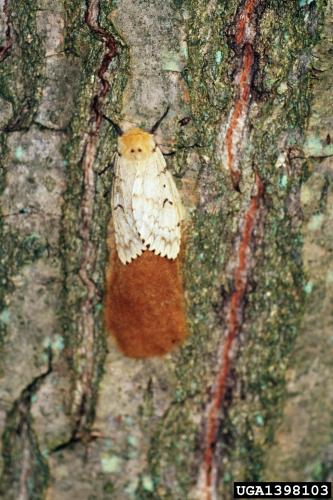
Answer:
(146, 205)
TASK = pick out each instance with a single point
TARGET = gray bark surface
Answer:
(246, 395)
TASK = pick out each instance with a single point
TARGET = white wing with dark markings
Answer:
(147, 209)
(129, 245)
(157, 207)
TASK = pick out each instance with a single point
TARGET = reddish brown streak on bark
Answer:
(5, 49)
(245, 76)
(244, 38)
(240, 106)
(86, 323)
(244, 20)
(235, 312)
(111, 52)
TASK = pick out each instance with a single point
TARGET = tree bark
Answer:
(249, 84)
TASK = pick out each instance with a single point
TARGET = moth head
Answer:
(136, 145)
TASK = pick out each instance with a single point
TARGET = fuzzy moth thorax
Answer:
(136, 145)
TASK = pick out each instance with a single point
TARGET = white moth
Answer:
(146, 205)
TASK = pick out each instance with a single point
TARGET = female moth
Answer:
(147, 209)
(144, 302)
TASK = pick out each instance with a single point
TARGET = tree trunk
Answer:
(249, 84)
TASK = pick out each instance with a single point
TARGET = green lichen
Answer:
(275, 305)
(110, 464)
(20, 81)
(209, 83)
(21, 75)
(91, 49)
(24, 451)
(317, 147)
(5, 316)
(19, 153)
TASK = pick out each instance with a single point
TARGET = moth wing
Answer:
(157, 207)
(128, 243)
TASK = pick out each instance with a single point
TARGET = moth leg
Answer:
(170, 153)
(108, 191)
(119, 206)
(109, 165)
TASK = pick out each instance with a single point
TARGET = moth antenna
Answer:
(159, 121)
(118, 130)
